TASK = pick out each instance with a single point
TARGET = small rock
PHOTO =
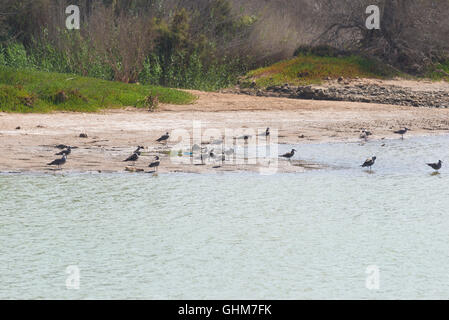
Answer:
(18, 128)
(83, 135)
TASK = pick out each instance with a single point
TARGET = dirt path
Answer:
(114, 134)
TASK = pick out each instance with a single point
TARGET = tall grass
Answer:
(25, 90)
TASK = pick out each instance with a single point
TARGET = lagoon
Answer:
(235, 235)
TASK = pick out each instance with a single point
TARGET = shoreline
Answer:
(114, 134)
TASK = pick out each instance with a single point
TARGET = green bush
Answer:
(16, 56)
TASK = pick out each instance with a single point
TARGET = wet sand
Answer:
(114, 134)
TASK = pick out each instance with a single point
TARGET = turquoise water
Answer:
(235, 235)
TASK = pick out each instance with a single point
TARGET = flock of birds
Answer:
(369, 163)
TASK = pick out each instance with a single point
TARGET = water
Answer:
(235, 235)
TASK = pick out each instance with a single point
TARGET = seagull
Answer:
(165, 137)
(61, 146)
(402, 132)
(134, 157)
(289, 155)
(65, 152)
(267, 132)
(196, 148)
(155, 164)
(217, 142)
(365, 134)
(369, 163)
(58, 162)
(436, 166)
(138, 150)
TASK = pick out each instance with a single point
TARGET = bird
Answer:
(65, 152)
(217, 142)
(61, 146)
(436, 166)
(203, 157)
(196, 148)
(134, 157)
(155, 164)
(212, 154)
(229, 152)
(58, 162)
(138, 150)
(289, 155)
(267, 132)
(365, 134)
(165, 137)
(369, 163)
(402, 132)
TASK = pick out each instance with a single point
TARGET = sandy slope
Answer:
(114, 134)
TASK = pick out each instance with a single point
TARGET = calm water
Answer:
(235, 235)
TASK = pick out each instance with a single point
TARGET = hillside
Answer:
(36, 91)
(312, 69)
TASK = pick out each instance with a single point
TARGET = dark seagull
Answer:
(65, 152)
(61, 146)
(58, 162)
(163, 138)
(402, 132)
(132, 158)
(156, 163)
(436, 166)
(369, 163)
(266, 133)
(289, 155)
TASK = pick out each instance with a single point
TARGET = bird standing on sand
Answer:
(402, 132)
(196, 148)
(289, 155)
(436, 166)
(137, 151)
(58, 162)
(163, 138)
(369, 163)
(132, 158)
(155, 164)
(365, 134)
(61, 146)
(65, 152)
(267, 132)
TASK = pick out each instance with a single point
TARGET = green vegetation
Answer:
(439, 71)
(131, 41)
(311, 69)
(36, 91)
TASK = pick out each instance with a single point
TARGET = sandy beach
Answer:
(27, 140)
